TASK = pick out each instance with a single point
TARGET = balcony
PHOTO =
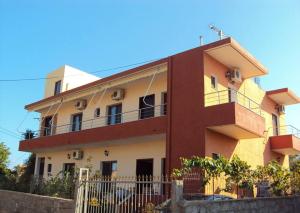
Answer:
(131, 124)
(233, 114)
(287, 142)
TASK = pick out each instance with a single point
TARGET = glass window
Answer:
(114, 114)
(57, 87)
(97, 113)
(215, 156)
(213, 81)
(76, 122)
(49, 168)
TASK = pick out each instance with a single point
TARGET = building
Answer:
(202, 102)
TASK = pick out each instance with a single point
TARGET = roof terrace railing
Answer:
(229, 96)
(134, 115)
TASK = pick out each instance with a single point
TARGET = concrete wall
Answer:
(70, 78)
(125, 153)
(255, 151)
(27, 203)
(257, 205)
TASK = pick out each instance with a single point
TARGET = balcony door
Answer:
(47, 125)
(109, 168)
(76, 122)
(146, 106)
(275, 125)
(114, 114)
(232, 93)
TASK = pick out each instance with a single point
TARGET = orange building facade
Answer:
(202, 102)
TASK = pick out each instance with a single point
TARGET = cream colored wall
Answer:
(254, 151)
(133, 91)
(70, 77)
(125, 155)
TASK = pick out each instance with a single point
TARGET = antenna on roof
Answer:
(201, 40)
(220, 32)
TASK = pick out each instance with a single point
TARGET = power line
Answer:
(9, 131)
(9, 134)
(104, 70)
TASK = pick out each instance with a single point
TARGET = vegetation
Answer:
(238, 174)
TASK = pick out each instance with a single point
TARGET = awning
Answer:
(283, 96)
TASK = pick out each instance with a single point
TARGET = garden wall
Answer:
(257, 205)
(19, 202)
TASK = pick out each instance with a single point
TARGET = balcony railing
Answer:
(139, 114)
(229, 96)
(286, 130)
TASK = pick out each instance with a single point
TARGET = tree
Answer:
(25, 175)
(295, 177)
(238, 173)
(4, 154)
(7, 177)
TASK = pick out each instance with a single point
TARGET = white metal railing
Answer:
(286, 130)
(134, 115)
(231, 95)
(124, 194)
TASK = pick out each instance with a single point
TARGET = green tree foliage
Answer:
(295, 177)
(25, 174)
(7, 177)
(4, 154)
(238, 174)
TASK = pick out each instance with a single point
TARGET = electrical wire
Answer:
(9, 134)
(104, 70)
(149, 86)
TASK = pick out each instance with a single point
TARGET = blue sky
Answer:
(37, 37)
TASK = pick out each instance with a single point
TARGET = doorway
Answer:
(144, 167)
(109, 168)
(146, 106)
(275, 125)
(114, 114)
(41, 166)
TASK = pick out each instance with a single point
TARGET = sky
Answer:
(36, 37)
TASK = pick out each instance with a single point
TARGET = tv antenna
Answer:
(217, 30)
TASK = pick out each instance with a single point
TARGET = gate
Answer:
(143, 194)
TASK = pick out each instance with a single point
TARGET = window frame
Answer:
(213, 76)
(57, 89)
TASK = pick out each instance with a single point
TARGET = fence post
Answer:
(176, 195)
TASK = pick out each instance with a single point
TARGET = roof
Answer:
(283, 96)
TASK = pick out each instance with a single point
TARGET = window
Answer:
(57, 87)
(41, 164)
(49, 169)
(109, 168)
(47, 126)
(69, 168)
(146, 106)
(97, 113)
(215, 156)
(114, 114)
(76, 122)
(213, 82)
(275, 125)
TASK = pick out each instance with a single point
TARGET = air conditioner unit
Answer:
(77, 154)
(81, 104)
(118, 94)
(281, 109)
(235, 75)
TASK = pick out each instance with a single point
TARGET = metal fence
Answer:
(288, 129)
(123, 194)
(230, 95)
(119, 118)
